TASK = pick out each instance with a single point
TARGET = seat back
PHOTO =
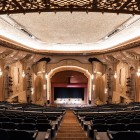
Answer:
(29, 120)
(9, 125)
(125, 135)
(100, 127)
(19, 135)
(42, 121)
(4, 135)
(17, 120)
(133, 126)
(117, 127)
(26, 126)
(43, 126)
(5, 119)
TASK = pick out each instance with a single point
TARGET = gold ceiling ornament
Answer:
(111, 6)
(71, 2)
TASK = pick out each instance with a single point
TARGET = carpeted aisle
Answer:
(70, 128)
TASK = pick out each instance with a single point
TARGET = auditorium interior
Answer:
(69, 70)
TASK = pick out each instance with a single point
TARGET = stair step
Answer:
(75, 125)
(71, 128)
(78, 126)
(80, 138)
(69, 131)
(71, 135)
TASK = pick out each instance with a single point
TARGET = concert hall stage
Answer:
(69, 102)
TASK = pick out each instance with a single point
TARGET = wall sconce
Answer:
(46, 76)
(115, 75)
(32, 91)
(93, 87)
(138, 72)
(0, 72)
(44, 87)
(23, 74)
(106, 90)
(92, 76)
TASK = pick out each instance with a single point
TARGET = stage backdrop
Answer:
(62, 92)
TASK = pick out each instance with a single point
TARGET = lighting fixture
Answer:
(23, 74)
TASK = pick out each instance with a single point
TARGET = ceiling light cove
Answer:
(64, 32)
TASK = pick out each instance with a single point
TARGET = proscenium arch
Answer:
(64, 68)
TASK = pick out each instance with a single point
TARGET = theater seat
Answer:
(117, 127)
(3, 135)
(42, 121)
(43, 127)
(26, 126)
(21, 135)
(9, 125)
(133, 126)
(123, 135)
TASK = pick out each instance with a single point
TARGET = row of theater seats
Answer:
(122, 135)
(118, 125)
(17, 134)
(33, 115)
(41, 127)
(109, 108)
(112, 127)
(25, 107)
(19, 125)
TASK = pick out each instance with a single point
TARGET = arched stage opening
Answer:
(69, 86)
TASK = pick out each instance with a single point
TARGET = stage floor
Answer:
(71, 105)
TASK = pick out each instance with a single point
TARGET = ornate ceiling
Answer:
(69, 33)
(67, 28)
(56, 30)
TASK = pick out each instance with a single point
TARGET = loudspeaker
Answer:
(48, 101)
(89, 101)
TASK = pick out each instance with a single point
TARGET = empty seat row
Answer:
(123, 135)
(111, 121)
(27, 120)
(41, 127)
(113, 127)
(17, 135)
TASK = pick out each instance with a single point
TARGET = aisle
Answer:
(70, 128)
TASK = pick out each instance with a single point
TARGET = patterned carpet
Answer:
(70, 128)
